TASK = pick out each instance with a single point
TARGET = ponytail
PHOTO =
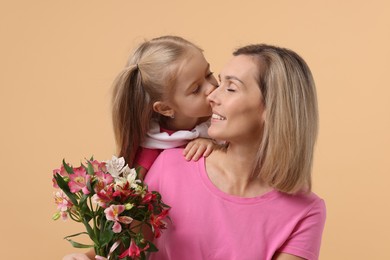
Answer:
(131, 112)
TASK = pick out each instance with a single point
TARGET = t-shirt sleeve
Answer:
(305, 240)
(145, 157)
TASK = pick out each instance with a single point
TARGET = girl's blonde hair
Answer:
(285, 156)
(148, 77)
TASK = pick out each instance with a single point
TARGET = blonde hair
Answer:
(285, 155)
(148, 77)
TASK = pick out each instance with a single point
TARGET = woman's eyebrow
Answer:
(231, 78)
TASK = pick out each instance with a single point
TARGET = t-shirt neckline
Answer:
(229, 197)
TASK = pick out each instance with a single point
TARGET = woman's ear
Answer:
(163, 109)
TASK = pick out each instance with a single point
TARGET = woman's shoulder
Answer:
(173, 154)
(306, 201)
(172, 159)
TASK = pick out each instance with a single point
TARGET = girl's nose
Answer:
(211, 97)
(210, 88)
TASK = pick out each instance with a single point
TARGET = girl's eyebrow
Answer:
(193, 83)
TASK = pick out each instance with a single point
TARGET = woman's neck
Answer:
(231, 171)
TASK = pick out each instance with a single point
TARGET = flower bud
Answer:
(56, 216)
(129, 206)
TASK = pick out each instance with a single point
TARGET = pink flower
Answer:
(103, 180)
(157, 223)
(78, 180)
(149, 197)
(103, 197)
(61, 172)
(98, 166)
(112, 214)
(62, 201)
(64, 215)
(133, 250)
(117, 227)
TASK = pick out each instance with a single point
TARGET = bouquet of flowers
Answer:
(114, 206)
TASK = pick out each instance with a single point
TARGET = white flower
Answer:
(115, 166)
(120, 182)
(128, 178)
(130, 175)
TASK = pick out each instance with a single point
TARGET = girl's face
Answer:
(194, 83)
(237, 103)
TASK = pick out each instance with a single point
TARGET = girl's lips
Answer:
(217, 117)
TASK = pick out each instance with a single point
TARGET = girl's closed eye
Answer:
(196, 90)
(210, 78)
(210, 74)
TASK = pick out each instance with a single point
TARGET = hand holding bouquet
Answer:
(114, 206)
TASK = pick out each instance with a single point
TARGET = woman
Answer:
(251, 199)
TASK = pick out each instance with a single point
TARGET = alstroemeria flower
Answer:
(112, 213)
(158, 223)
(103, 197)
(103, 179)
(149, 197)
(131, 175)
(61, 172)
(98, 166)
(115, 166)
(78, 180)
(133, 250)
(64, 215)
(62, 201)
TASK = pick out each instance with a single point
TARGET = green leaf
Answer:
(91, 159)
(90, 168)
(90, 232)
(90, 187)
(152, 247)
(75, 235)
(68, 169)
(65, 188)
(78, 245)
(106, 237)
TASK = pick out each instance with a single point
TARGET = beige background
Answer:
(58, 59)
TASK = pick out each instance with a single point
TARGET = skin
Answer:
(238, 117)
(188, 103)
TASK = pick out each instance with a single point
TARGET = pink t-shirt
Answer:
(145, 157)
(210, 224)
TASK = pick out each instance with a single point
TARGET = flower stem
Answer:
(98, 250)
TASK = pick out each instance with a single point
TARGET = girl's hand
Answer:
(197, 148)
(77, 256)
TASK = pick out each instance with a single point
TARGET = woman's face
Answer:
(193, 84)
(237, 103)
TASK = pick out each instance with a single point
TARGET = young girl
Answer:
(159, 101)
